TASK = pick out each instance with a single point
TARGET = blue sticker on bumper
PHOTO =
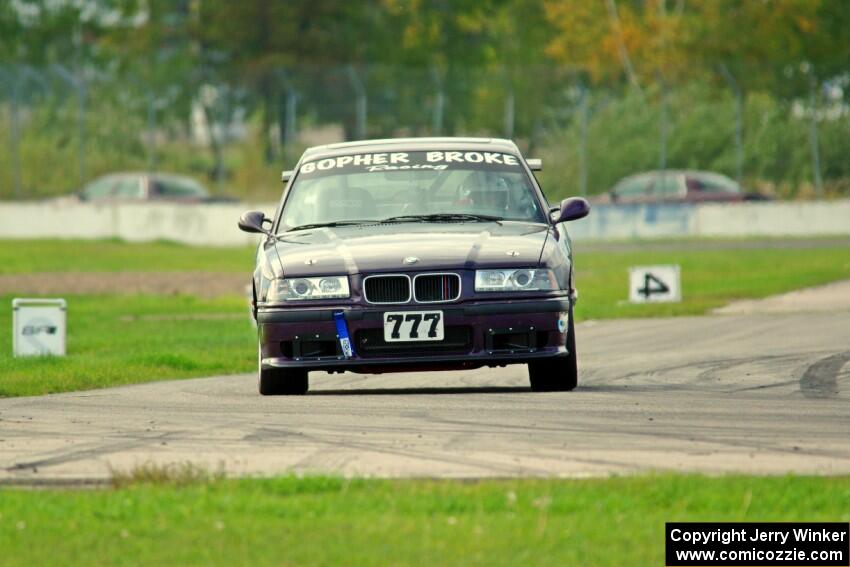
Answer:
(563, 322)
(342, 332)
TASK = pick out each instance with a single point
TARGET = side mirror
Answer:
(535, 164)
(252, 221)
(286, 175)
(573, 208)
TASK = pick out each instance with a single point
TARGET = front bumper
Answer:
(486, 333)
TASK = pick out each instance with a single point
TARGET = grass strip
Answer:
(333, 521)
(113, 255)
(710, 278)
(116, 340)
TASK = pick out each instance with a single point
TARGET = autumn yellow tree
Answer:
(644, 41)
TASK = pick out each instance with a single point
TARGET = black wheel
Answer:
(282, 381)
(556, 374)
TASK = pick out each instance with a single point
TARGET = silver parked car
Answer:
(147, 187)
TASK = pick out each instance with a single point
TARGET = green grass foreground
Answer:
(116, 340)
(330, 521)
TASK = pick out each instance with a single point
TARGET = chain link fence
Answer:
(65, 127)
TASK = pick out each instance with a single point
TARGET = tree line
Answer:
(538, 51)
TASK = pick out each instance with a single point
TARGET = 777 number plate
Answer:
(410, 326)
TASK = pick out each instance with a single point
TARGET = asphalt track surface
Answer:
(753, 394)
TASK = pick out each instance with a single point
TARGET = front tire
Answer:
(556, 374)
(281, 381)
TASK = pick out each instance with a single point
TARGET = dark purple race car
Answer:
(414, 254)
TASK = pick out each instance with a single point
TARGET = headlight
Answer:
(529, 279)
(296, 289)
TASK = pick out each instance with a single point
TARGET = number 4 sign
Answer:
(654, 284)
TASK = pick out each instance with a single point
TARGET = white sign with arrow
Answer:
(655, 284)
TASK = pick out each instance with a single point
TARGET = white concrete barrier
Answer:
(766, 219)
(622, 222)
(208, 224)
(774, 219)
(215, 224)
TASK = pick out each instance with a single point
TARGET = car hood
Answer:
(391, 247)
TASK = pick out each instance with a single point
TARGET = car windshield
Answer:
(176, 186)
(713, 182)
(434, 186)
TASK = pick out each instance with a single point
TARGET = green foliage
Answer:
(624, 137)
(114, 139)
(428, 67)
(333, 521)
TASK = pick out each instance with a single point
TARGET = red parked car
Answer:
(677, 186)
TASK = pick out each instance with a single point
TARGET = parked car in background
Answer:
(148, 187)
(677, 186)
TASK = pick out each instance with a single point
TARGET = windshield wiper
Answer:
(436, 217)
(443, 217)
(334, 223)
